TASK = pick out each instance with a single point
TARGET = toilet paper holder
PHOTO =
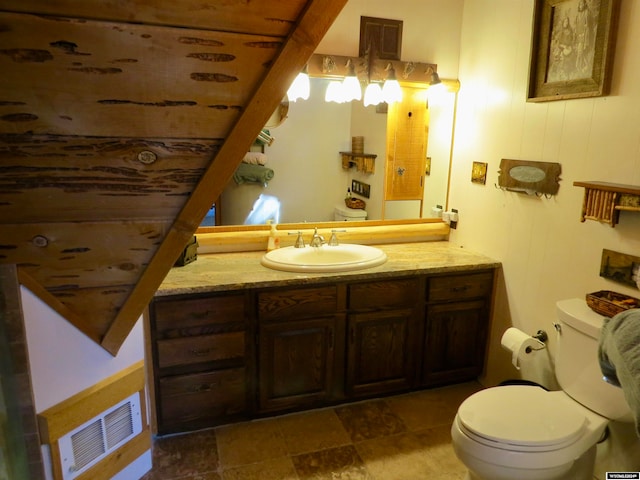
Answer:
(541, 335)
(521, 344)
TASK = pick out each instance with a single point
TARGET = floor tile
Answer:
(274, 469)
(397, 457)
(342, 463)
(437, 445)
(181, 455)
(422, 410)
(312, 431)
(368, 420)
(404, 437)
(249, 442)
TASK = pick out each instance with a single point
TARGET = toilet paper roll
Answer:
(519, 344)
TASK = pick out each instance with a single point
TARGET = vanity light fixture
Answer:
(380, 76)
(334, 92)
(391, 91)
(300, 88)
(351, 85)
(436, 87)
(372, 94)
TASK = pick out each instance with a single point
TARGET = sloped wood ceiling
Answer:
(120, 123)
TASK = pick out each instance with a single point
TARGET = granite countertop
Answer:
(242, 270)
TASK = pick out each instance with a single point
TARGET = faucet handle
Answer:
(299, 241)
(333, 241)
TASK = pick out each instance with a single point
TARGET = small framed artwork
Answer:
(572, 49)
(479, 173)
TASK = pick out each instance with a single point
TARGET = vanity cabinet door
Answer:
(382, 336)
(380, 352)
(297, 362)
(456, 327)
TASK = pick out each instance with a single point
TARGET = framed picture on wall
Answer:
(572, 49)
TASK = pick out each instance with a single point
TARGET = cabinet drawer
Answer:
(205, 348)
(297, 303)
(458, 287)
(193, 399)
(183, 317)
(392, 293)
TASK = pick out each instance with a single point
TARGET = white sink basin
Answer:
(340, 258)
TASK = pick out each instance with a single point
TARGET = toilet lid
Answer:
(521, 415)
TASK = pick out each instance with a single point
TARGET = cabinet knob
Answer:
(200, 352)
(203, 387)
(461, 288)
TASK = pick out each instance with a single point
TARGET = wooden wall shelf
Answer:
(603, 201)
(364, 162)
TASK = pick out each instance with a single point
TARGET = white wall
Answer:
(63, 361)
(547, 254)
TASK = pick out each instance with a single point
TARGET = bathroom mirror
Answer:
(308, 178)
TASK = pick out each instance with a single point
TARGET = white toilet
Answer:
(524, 432)
(342, 213)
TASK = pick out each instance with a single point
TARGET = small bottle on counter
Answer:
(274, 241)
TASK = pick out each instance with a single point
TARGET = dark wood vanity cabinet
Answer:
(456, 327)
(300, 336)
(318, 345)
(199, 350)
(227, 355)
(382, 340)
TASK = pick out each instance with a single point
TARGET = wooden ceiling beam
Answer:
(217, 15)
(312, 25)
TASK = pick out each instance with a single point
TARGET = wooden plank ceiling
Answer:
(120, 123)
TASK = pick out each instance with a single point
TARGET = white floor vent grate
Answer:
(91, 442)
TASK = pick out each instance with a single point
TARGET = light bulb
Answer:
(334, 92)
(372, 94)
(351, 88)
(300, 88)
(391, 91)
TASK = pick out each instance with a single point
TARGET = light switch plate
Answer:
(360, 188)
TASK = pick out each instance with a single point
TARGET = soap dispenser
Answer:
(274, 241)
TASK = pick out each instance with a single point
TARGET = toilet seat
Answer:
(521, 418)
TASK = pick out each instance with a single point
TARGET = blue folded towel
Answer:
(251, 173)
(619, 356)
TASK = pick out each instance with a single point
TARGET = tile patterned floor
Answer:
(403, 437)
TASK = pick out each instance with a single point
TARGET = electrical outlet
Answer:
(360, 188)
(454, 219)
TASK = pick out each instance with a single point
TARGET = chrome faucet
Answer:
(299, 241)
(333, 241)
(317, 240)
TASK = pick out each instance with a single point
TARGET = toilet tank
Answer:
(342, 213)
(576, 364)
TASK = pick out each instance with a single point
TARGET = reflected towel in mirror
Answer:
(249, 173)
(255, 158)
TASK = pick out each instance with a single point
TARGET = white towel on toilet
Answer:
(619, 356)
